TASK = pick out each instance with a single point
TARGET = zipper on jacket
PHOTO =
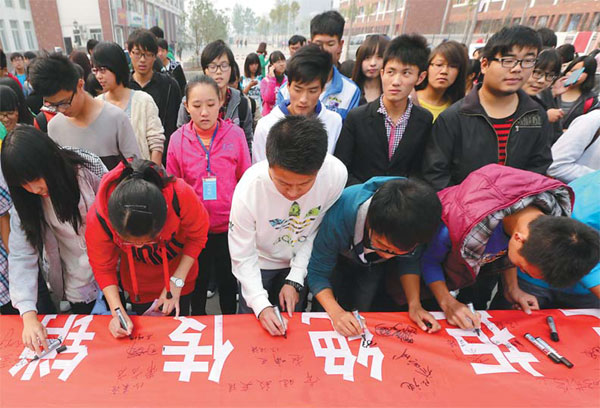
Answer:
(517, 129)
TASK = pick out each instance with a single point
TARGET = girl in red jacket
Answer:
(158, 227)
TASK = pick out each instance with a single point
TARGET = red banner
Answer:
(232, 361)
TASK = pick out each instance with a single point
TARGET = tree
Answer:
(206, 24)
(294, 10)
(250, 21)
(263, 27)
(237, 19)
(183, 38)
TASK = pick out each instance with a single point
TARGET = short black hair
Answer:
(564, 249)
(92, 42)
(309, 63)
(52, 74)
(251, 58)
(548, 37)
(25, 115)
(503, 41)
(297, 144)
(162, 43)
(29, 55)
(15, 55)
(407, 212)
(92, 86)
(409, 49)
(157, 31)
(276, 56)
(213, 51)
(295, 39)
(111, 56)
(590, 65)
(549, 60)
(567, 52)
(328, 23)
(143, 39)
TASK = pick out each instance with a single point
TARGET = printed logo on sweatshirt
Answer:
(151, 254)
(333, 103)
(295, 226)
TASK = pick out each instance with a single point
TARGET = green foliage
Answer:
(206, 24)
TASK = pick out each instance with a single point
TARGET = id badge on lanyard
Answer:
(209, 182)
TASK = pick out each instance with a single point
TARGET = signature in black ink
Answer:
(594, 352)
(401, 331)
(135, 350)
(367, 343)
(10, 340)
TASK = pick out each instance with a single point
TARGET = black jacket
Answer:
(363, 144)
(463, 140)
(167, 96)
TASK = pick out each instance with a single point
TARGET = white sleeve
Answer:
(23, 267)
(299, 263)
(244, 255)
(259, 144)
(569, 148)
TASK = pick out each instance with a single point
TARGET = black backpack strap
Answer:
(175, 203)
(242, 109)
(596, 136)
(104, 225)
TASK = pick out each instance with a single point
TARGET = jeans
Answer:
(272, 281)
(549, 298)
(215, 258)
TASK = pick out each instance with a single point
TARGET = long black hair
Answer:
(137, 206)
(29, 154)
(589, 65)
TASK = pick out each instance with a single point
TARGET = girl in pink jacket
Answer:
(274, 80)
(210, 155)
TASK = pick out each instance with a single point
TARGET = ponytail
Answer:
(137, 207)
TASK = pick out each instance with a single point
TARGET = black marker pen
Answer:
(552, 325)
(544, 350)
(122, 320)
(549, 347)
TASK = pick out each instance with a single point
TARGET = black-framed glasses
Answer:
(369, 245)
(539, 74)
(61, 106)
(9, 114)
(139, 55)
(511, 62)
(224, 66)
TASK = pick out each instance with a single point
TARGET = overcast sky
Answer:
(260, 7)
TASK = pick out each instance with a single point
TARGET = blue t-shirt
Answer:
(439, 247)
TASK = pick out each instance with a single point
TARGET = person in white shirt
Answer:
(307, 73)
(277, 208)
(577, 152)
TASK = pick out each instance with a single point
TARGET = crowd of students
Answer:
(426, 182)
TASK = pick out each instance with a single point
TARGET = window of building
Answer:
(14, 27)
(574, 22)
(560, 23)
(542, 21)
(531, 21)
(3, 37)
(595, 23)
(516, 21)
(29, 35)
(96, 33)
(9, 3)
(23, 4)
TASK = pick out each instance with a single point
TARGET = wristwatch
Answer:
(177, 281)
(295, 285)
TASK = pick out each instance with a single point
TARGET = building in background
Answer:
(17, 31)
(65, 25)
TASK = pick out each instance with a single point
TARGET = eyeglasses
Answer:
(61, 106)
(8, 114)
(367, 244)
(511, 62)
(140, 55)
(539, 74)
(213, 67)
(100, 70)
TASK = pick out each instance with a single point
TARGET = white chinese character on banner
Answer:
(334, 347)
(487, 345)
(188, 366)
(584, 312)
(75, 347)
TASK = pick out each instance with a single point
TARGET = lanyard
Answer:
(207, 152)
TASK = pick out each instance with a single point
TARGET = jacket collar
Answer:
(471, 104)
(336, 84)
(283, 106)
